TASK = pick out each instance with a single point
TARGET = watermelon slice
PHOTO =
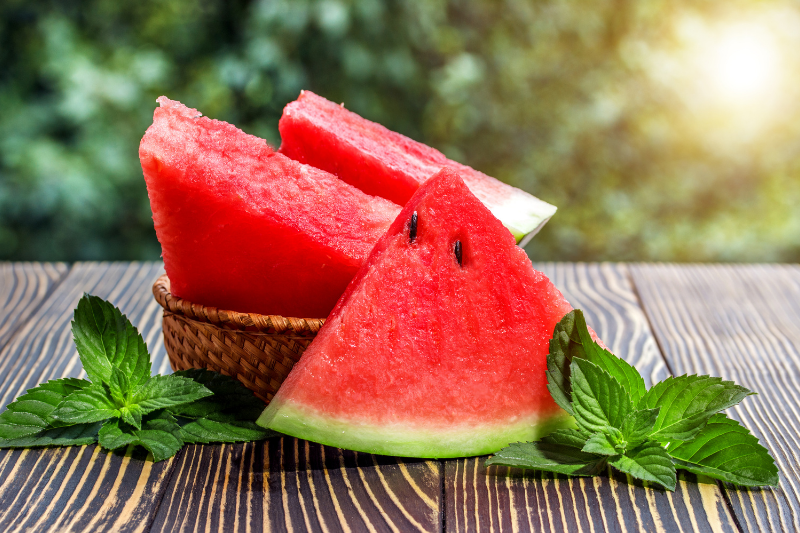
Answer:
(245, 228)
(438, 347)
(387, 164)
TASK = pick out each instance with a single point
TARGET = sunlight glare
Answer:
(743, 63)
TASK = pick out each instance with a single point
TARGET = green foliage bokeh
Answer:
(571, 101)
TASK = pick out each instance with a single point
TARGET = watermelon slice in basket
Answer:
(378, 161)
(438, 347)
(244, 228)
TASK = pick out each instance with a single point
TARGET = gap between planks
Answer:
(614, 502)
(94, 462)
(721, 486)
(741, 322)
(53, 274)
(18, 327)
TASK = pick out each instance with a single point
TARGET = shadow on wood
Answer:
(287, 484)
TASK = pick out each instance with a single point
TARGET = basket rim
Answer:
(235, 320)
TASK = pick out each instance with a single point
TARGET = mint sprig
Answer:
(645, 433)
(107, 340)
(725, 450)
(30, 413)
(122, 404)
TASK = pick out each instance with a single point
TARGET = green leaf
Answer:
(131, 414)
(119, 386)
(116, 434)
(77, 435)
(572, 340)
(227, 416)
(30, 413)
(106, 339)
(549, 456)
(167, 391)
(686, 404)
(160, 435)
(231, 400)
(638, 426)
(604, 443)
(571, 438)
(725, 450)
(205, 431)
(598, 400)
(649, 462)
(624, 373)
(92, 404)
(558, 361)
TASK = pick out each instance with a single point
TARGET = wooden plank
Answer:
(77, 488)
(741, 323)
(286, 484)
(22, 287)
(503, 499)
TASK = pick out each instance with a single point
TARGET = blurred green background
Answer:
(663, 130)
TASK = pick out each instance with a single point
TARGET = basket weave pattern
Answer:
(258, 350)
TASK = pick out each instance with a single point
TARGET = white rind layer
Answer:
(406, 439)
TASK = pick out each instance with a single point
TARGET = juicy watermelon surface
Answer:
(387, 164)
(247, 229)
(424, 356)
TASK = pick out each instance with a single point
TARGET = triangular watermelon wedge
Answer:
(244, 228)
(384, 163)
(438, 347)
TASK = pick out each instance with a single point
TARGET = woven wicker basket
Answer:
(258, 350)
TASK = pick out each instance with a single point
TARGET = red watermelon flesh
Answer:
(426, 357)
(247, 229)
(384, 163)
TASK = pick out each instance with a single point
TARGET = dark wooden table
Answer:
(741, 322)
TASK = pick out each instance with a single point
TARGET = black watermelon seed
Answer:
(458, 253)
(412, 227)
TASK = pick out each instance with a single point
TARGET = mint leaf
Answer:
(649, 462)
(624, 373)
(106, 339)
(115, 434)
(570, 438)
(604, 443)
(231, 400)
(167, 391)
(558, 452)
(131, 414)
(598, 400)
(638, 426)
(160, 435)
(92, 404)
(77, 435)
(562, 351)
(725, 450)
(227, 416)
(119, 386)
(687, 402)
(206, 431)
(572, 340)
(546, 455)
(30, 413)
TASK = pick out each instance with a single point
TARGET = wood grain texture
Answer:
(77, 488)
(286, 484)
(504, 499)
(22, 287)
(742, 323)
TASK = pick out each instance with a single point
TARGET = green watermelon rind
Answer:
(401, 440)
(524, 220)
(521, 213)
